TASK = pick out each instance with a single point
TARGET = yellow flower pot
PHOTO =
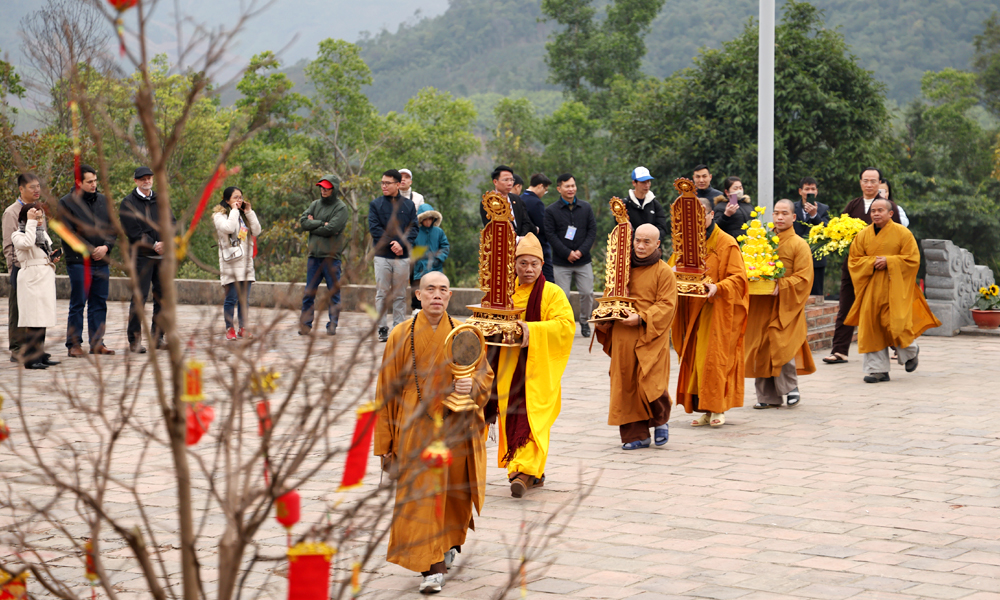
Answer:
(763, 287)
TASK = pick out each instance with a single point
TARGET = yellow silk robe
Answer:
(776, 325)
(889, 308)
(549, 343)
(640, 355)
(419, 536)
(708, 332)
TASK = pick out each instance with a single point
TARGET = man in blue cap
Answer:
(642, 205)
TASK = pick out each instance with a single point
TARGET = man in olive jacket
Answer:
(325, 220)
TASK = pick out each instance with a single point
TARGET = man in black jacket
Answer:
(809, 213)
(140, 218)
(642, 206)
(503, 182)
(392, 222)
(703, 183)
(537, 188)
(571, 229)
(85, 213)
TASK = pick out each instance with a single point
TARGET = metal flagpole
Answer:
(765, 108)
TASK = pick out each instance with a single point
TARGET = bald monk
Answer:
(423, 538)
(639, 347)
(528, 383)
(777, 351)
(889, 309)
(708, 332)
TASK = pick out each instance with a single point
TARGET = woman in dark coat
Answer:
(732, 208)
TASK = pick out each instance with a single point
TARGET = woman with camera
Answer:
(235, 225)
(36, 284)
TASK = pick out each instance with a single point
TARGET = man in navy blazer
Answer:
(809, 212)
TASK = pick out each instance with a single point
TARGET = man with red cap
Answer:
(325, 220)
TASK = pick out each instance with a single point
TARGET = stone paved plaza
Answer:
(863, 492)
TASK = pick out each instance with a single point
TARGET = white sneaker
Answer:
(449, 557)
(432, 584)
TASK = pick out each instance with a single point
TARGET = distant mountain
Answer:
(480, 46)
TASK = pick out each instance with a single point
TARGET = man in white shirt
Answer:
(406, 189)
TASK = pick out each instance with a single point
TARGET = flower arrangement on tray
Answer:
(759, 246)
(835, 237)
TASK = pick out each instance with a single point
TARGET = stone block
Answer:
(947, 313)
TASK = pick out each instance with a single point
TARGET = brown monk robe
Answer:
(708, 332)
(425, 527)
(777, 350)
(889, 309)
(639, 346)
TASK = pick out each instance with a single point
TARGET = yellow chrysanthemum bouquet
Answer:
(834, 237)
(759, 246)
(989, 298)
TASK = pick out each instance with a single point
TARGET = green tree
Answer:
(986, 62)
(515, 139)
(830, 115)
(267, 98)
(587, 54)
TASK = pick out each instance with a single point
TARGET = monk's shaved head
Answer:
(880, 212)
(434, 278)
(883, 203)
(706, 203)
(648, 231)
(646, 239)
(789, 204)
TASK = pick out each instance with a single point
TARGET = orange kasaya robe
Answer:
(776, 325)
(889, 308)
(708, 332)
(420, 533)
(640, 355)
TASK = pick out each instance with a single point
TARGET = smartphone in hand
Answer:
(56, 254)
(734, 199)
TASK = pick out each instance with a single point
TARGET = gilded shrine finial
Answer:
(615, 304)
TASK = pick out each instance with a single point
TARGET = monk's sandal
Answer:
(876, 377)
(661, 434)
(636, 445)
(792, 398)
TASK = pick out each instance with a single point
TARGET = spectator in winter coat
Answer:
(392, 222)
(325, 220)
(434, 243)
(642, 206)
(237, 227)
(733, 207)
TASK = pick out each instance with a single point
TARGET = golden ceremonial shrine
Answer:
(615, 304)
(687, 217)
(496, 316)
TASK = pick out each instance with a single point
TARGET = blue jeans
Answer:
(237, 294)
(317, 271)
(96, 301)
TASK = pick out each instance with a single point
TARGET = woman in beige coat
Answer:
(36, 284)
(235, 225)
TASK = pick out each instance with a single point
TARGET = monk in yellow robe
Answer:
(529, 378)
(889, 309)
(708, 332)
(777, 351)
(639, 347)
(433, 508)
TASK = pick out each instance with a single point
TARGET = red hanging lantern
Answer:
(361, 443)
(437, 457)
(13, 586)
(4, 432)
(199, 417)
(309, 571)
(288, 509)
(122, 5)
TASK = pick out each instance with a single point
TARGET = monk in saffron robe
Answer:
(639, 347)
(889, 309)
(777, 351)
(708, 332)
(433, 508)
(528, 384)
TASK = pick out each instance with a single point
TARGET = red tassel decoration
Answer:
(198, 420)
(437, 457)
(309, 571)
(361, 443)
(74, 110)
(355, 581)
(121, 6)
(263, 417)
(217, 178)
(13, 586)
(4, 431)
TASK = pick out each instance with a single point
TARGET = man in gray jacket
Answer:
(325, 220)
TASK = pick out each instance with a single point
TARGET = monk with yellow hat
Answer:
(527, 387)
(889, 309)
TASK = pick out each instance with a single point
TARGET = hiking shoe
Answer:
(876, 377)
(585, 330)
(383, 336)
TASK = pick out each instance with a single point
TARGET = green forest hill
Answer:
(498, 46)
